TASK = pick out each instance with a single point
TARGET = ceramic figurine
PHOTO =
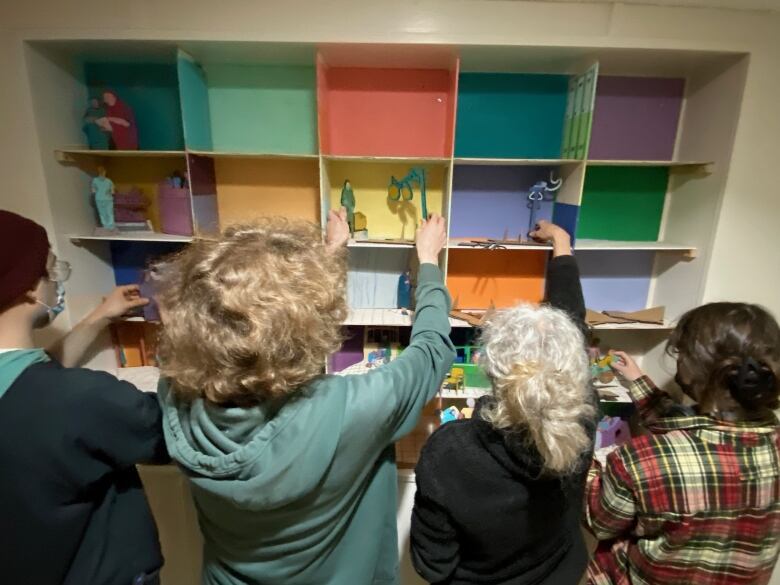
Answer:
(103, 192)
(96, 126)
(124, 133)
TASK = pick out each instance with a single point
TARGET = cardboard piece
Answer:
(653, 316)
(473, 320)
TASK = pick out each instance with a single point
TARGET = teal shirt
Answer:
(307, 494)
(103, 187)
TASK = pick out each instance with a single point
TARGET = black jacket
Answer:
(484, 512)
(72, 507)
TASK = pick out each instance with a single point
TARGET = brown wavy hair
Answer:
(253, 315)
(728, 357)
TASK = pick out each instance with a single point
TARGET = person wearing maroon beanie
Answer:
(72, 507)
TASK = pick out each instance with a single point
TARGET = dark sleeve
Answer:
(564, 290)
(119, 425)
(434, 543)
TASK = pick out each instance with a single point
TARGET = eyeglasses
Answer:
(59, 272)
(398, 190)
(402, 189)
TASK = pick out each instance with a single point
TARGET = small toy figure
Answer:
(405, 290)
(600, 369)
(398, 190)
(124, 133)
(612, 431)
(541, 191)
(348, 201)
(455, 381)
(96, 126)
(449, 414)
(103, 192)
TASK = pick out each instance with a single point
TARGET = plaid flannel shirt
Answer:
(695, 501)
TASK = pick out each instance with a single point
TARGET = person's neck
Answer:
(15, 332)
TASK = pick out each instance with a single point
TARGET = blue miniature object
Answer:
(402, 189)
(405, 291)
(449, 414)
(541, 191)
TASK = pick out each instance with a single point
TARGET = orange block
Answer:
(478, 278)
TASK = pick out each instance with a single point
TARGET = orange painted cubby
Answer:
(367, 111)
(478, 278)
(251, 188)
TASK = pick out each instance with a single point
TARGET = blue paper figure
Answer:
(405, 291)
(541, 191)
(103, 191)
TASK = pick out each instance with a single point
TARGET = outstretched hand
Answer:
(431, 239)
(625, 365)
(546, 231)
(120, 301)
(337, 231)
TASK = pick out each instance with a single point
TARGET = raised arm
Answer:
(651, 402)
(392, 396)
(563, 287)
(70, 350)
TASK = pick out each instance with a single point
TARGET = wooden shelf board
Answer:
(130, 237)
(388, 318)
(455, 244)
(376, 244)
(464, 394)
(607, 245)
(633, 327)
(254, 155)
(517, 162)
(387, 159)
(71, 154)
(672, 164)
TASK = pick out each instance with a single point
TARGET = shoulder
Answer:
(446, 442)
(652, 456)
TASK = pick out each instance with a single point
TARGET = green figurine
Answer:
(348, 201)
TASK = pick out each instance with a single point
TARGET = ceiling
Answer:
(730, 4)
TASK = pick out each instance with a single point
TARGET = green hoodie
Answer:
(16, 361)
(306, 493)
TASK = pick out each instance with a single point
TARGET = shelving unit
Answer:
(642, 159)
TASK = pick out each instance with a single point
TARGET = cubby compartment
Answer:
(494, 201)
(479, 279)
(511, 115)
(150, 91)
(387, 219)
(372, 280)
(386, 111)
(623, 203)
(636, 118)
(250, 188)
(616, 280)
(131, 259)
(249, 108)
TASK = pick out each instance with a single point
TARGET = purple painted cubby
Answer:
(636, 118)
(351, 351)
(492, 201)
(615, 280)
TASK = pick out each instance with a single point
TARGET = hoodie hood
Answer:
(16, 361)
(257, 458)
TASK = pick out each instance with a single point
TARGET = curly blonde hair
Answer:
(253, 315)
(535, 357)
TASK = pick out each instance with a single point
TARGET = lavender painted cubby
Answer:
(492, 201)
(618, 281)
(636, 118)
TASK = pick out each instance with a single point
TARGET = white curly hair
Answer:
(536, 359)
